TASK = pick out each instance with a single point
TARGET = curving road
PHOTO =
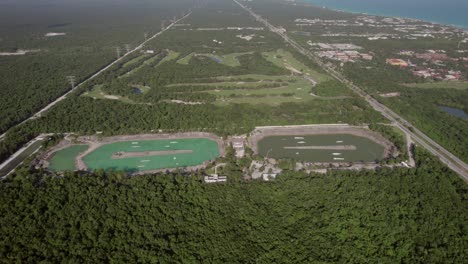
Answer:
(452, 161)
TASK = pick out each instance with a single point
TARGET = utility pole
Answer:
(163, 25)
(146, 36)
(127, 48)
(71, 80)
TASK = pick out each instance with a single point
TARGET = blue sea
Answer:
(449, 12)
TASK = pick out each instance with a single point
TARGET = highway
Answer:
(452, 161)
(64, 96)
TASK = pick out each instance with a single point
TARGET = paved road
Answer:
(452, 161)
(17, 158)
(61, 98)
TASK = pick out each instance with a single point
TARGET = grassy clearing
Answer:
(254, 84)
(185, 60)
(143, 89)
(439, 85)
(285, 59)
(145, 63)
(257, 77)
(231, 59)
(97, 93)
(135, 60)
(172, 55)
(298, 91)
(228, 59)
(250, 89)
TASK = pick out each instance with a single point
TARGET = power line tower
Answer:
(127, 48)
(71, 80)
(163, 25)
(146, 36)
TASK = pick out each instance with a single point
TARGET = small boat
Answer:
(339, 141)
(336, 154)
(298, 138)
(338, 158)
(301, 142)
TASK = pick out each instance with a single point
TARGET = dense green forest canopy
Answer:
(390, 215)
(94, 29)
(150, 112)
(387, 216)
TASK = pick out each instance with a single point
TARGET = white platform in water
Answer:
(301, 142)
(336, 154)
(298, 138)
(339, 141)
(338, 158)
(55, 34)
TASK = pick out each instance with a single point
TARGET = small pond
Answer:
(454, 111)
(137, 90)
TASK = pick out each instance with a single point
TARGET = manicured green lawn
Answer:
(97, 93)
(286, 60)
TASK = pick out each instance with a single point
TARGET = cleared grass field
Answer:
(250, 88)
(97, 93)
(185, 60)
(143, 89)
(135, 60)
(227, 59)
(292, 92)
(198, 151)
(172, 55)
(148, 61)
(285, 59)
(64, 160)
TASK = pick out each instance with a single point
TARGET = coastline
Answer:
(383, 14)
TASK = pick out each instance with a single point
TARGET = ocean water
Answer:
(450, 12)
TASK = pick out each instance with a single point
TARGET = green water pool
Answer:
(64, 160)
(280, 147)
(202, 150)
